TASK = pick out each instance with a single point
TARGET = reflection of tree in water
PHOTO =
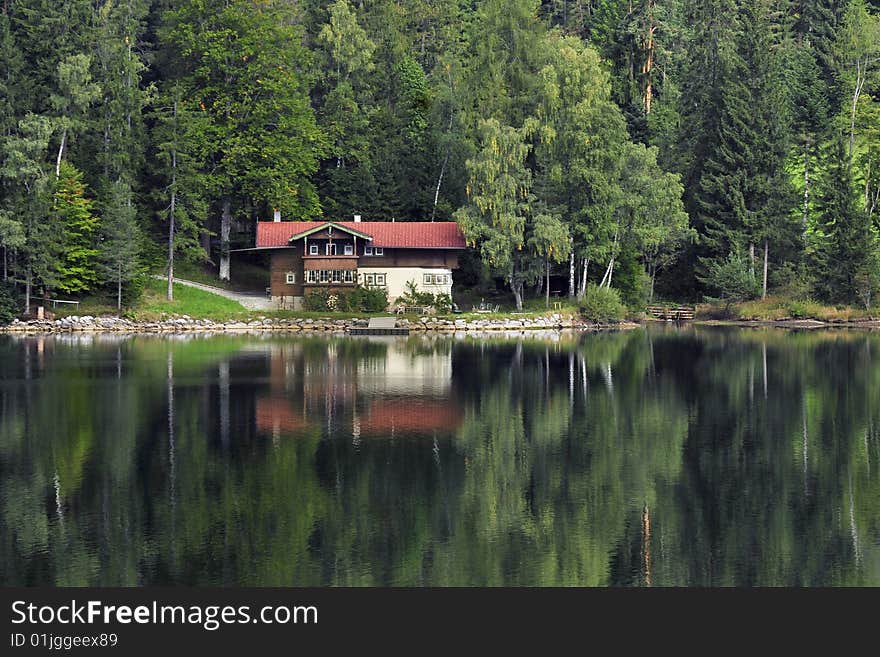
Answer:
(687, 457)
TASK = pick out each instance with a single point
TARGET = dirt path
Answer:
(251, 301)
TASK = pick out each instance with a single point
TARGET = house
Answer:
(338, 255)
(386, 391)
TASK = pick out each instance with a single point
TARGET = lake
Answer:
(691, 456)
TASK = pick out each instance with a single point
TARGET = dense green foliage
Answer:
(8, 304)
(602, 304)
(359, 299)
(634, 144)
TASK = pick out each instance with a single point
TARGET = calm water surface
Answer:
(649, 458)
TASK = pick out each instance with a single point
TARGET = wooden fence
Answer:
(672, 313)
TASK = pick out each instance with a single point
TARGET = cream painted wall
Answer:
(397, 277)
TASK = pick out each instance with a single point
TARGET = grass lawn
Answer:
(187, 301)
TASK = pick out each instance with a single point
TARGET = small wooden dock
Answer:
(672, 313)
(380, 326)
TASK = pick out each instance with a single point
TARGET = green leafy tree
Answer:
(732, 279)
(72, 215)
(496, 220)
(25, 170)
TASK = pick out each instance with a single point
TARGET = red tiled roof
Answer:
(387, 234)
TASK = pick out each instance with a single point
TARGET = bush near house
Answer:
(360, 299)
(442, 303)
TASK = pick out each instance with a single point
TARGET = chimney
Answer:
(277, 216)
(357, 218)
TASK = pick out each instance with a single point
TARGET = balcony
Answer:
(318, 262)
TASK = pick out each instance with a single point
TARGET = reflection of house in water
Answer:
(377, 387)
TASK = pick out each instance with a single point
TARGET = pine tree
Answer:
(119, 242)
(744, 195)
(845, 244)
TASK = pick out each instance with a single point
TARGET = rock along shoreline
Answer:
(182, 324)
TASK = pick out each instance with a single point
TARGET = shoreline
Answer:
(185, 324)
(792, 323)
(553, 322)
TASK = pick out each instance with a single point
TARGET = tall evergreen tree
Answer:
(119, 241)
(845, 245)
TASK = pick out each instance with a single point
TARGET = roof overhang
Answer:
(329, 226)
(259, 248)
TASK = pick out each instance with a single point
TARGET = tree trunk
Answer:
(439, 182)
(648, 66)
(766, 256)
(225, 227)
(547, 291)
(60, 153)
(583, 289)
(27, 291)
(516, 288)
(170, 291)
(119, 288)
(606, 279)
(653, 278)
(857, 91)
(571, 284)
(752, 259)
(806, 216)
(5, 265)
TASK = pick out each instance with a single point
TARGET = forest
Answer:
(681, 149)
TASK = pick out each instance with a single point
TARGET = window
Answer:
(337, 276)
(313, 249)
(368, 250)
(349, 276)
(369, 280)
(349, 249)
(330, 249)
(428, 279)
(440, 279)
(290, 278)
(378, 250)
(325, 275)
(380, 280)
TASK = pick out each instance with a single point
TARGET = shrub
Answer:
(373, 299)
(315, 301)
(602, 304)
(359, 299)
(443, 303)
(9, 308)
(133, 290)
(732, 278)
(791, 281)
